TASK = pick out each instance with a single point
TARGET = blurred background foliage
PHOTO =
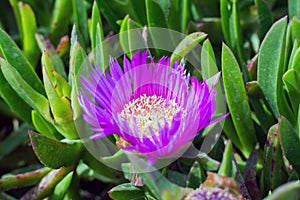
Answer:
(41, 51)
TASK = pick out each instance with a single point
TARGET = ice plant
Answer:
(156, 110)
(216, 187)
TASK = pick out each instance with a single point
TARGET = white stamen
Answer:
(150, 111)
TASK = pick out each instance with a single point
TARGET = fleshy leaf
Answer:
(22, 180)
(80, 17)
(53, 153)
(291, 81)
(131, 38)
(156, 16)
(44, 127)
(290, 143)
(16, 59)
(226, 168)
(48, 183)
(15, 102)
(29, 28)
(180, 10)
(264, 16)
(62, 14)
(47, 47)
(287, 191)
(36, 100)
(272, 175)
(96, 21)
(62, 187)
(196, 176)
(237, 101)
(187, 44)
(294, 8)
(156, 182)
(126, 191)
(271, 67)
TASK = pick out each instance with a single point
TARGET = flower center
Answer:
(150, 112)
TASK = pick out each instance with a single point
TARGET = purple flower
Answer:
(216, 187)
(212, 193)
(156, 110)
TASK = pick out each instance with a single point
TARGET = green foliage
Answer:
(260, 67)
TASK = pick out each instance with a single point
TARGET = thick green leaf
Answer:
(53, 153)
(62, 187)
(60, 105)
(156, 16)
(236, 34)
(265, 118)
(208, 60)
(96, 21)
(230, 132)
(291, 81)
(99, 167)
(48, 183)
(230, 21)
(187, 44)
(46, 46)
(296, 61)
(225, 20)
(179, 11)
(131, 38)
(295, 26)
(36, 100)
(296, 45)
(125, 36)
(73, 191)
(126, 191)
(44, 127)
(109, 13)
(15, 102)
(61, 17)
(177, 177)
(77, 60)
(22, 180)
(226, 168)
(298, 121)
(290, 143)
(209, 69)
(264, 16)
(271, 68)
(237, 101)
(272, 174)
(16, 59)
(77, 57)
(155, 181)
(80, 17)
(287, 191)
(207, 162)
(294, 8)
(196, 176)
(29, 28)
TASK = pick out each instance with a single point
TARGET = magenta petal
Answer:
(103, 98)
